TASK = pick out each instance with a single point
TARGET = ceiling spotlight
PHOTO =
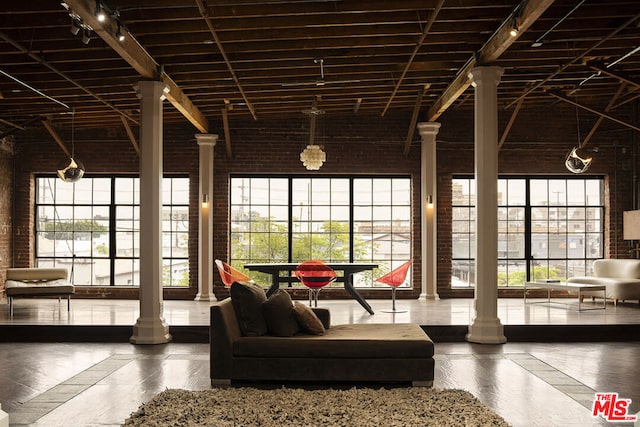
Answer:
(119, 34)
(515, 28)
(101, 15)
(86, 36)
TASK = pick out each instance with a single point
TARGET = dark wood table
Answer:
(348, 269)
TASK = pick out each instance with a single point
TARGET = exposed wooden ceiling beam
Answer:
(596, 125)
(227, 132)
(600, 67)
(414, 120)
(593, 110)
(497, 44)
(425, 31)
(512, 119)
(205, 15)
(56, 137)
(132, 52)
(132, 137)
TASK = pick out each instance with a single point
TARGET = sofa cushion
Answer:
(307, 319)
(279, 316)
(384, 341)
(247, 299)
(39, 288)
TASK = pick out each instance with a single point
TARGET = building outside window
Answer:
(548, 228)
(92, 228)
(333, 219)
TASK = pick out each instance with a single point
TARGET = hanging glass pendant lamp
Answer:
(75, 169)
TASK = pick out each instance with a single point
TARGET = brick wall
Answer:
(6, 208)
(354, 144)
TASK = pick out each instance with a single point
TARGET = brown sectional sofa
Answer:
(344, 353)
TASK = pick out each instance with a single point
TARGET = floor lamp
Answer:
(631, 230)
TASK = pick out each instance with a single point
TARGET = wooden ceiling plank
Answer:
(497, 44)
(136, 56)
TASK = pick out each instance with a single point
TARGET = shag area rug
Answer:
(285, 407)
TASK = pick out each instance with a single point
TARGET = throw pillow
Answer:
(307, 319)
(247, 299)
(278, 313)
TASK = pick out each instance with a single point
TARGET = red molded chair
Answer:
(395, 278)
(315, 275)
(229, 274)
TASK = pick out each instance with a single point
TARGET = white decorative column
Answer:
(428, 190)
(486, 327)
(150, 327)
(206, 142)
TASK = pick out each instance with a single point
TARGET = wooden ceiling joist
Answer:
(414, 120)
(49, 127)
(593, 110)
(136, 56)
(497, 44)
(600, 67)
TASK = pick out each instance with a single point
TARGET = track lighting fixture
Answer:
(119, 34)
(515, 28)
(101, 14)
(104, 15)
(86, 36)
(75, 27)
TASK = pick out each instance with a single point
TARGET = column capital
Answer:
(428, 128)
(150, 88)
(206, 138)
(488, 74)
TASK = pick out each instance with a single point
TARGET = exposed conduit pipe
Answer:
(41, 61)
(576, 59)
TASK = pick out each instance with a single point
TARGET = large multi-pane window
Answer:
(547, 228)
(92, 228)
(334, 219)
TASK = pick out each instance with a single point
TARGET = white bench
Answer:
(38, 282)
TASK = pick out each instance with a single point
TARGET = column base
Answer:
(206, 296)
(486, 331)
(150, 331)
(423, 297)
(4, 418)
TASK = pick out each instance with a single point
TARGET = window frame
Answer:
(114, 229)
(350, 204)
(529, 206)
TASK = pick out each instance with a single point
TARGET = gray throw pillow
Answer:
(247, 299)
(307, 319)
(278, 313)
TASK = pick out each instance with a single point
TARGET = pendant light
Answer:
(75, 169)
